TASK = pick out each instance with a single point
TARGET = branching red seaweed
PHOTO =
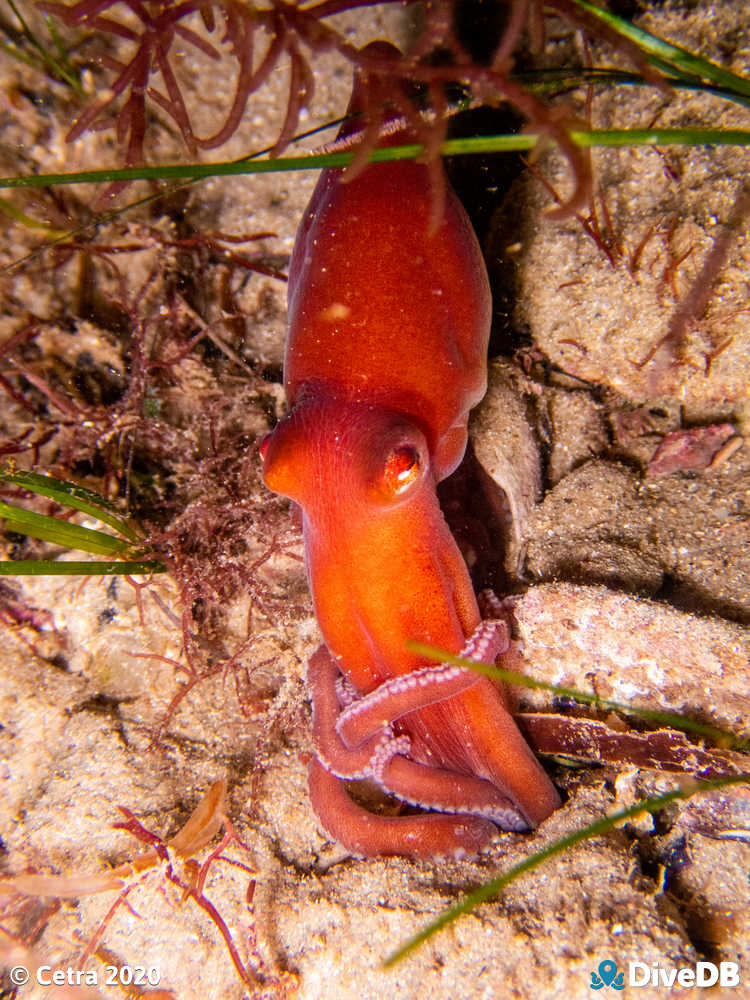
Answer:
(259, 41)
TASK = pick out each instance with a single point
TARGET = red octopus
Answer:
(388, 330)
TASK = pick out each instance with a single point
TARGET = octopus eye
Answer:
(401, 469)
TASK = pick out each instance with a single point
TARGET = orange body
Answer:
(388, 332)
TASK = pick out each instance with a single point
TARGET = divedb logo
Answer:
(639, 974)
